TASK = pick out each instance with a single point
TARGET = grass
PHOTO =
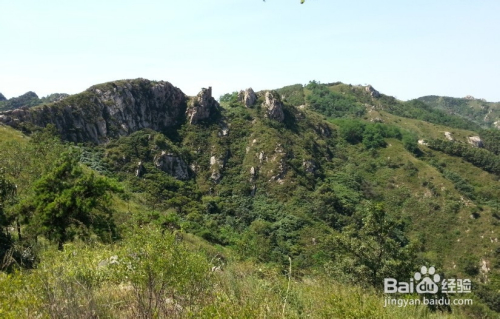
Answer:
(9, 134)
(150, 275)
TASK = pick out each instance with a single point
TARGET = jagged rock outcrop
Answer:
(140, 169)
(475, 141)
(247, 97)
(448, 136)
(172, 165)
(497, 124)
(274, 107)
(374, 93)
(2, 97)
(217, 164)
(108, 110)
(422, 142)
(202, 107)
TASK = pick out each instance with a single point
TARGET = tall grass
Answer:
(153, 275)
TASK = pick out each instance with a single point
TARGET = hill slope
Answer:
(312, 173)
(477, 110)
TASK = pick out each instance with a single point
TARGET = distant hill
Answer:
(486, 114)
(28, 99)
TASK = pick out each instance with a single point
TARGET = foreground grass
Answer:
(155, 275)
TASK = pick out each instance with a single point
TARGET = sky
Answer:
(406, 49)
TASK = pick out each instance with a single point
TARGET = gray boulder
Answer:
(247, 97)
(374, 93)
(475, 141)
(274, 107)
(202, 107)
(172, 165)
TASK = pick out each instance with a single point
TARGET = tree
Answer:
(378, 250)
(410, 142)
(7, 193)
(373, 138)
(352, 131)
(67, 201)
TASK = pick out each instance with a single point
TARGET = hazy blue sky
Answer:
(403, 48)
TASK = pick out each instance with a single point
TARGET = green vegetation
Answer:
(476, 110)
(479, 157)
(247, 217)
(293, 94)
(67, 202)
(332, 104)
(491, 140)
(416, 109)
(28, 99)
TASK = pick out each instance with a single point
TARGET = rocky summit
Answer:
(107, 110)
(116, 109)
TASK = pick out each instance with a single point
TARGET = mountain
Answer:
(115, 109)
(28, 100)
(301, 192)
(483, 113)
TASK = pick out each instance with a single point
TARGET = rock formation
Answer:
(374, 93)
(247, 97)
(475, 141)
(274, 107)
(108, 110)
(172, 165)
(202, 107)
(140, 169)
(2, 98)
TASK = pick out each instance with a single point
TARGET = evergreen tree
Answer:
(378, 250)
(67, 201)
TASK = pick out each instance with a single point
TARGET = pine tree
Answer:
(69, 202)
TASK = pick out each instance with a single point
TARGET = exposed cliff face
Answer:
(172, 165)
(374, 93)
(202, 107)
(247, 97)
(108, 110)
(274, 107)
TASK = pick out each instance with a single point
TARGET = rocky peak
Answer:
(247, 97)
(274, 107)
(374, 93)
(2, 97)
(202, 107)
(108, 110)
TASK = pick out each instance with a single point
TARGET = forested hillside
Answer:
(483, 113)
(132, 199)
